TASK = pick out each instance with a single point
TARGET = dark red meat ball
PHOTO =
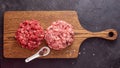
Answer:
(30, 34)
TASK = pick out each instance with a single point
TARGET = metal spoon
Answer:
(44, 51)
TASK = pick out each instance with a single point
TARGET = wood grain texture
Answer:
(12, 19)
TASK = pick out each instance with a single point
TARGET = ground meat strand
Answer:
(59, 35)
(30, 34)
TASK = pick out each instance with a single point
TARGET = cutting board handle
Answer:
(109, 34)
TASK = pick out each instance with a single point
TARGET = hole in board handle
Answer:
(111, 34)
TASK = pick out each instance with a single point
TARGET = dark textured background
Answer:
(94, 15)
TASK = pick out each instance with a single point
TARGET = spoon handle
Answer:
(32, 57)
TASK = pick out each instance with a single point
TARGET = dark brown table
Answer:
(94, 15)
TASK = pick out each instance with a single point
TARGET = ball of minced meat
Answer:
(29, 34)
(59, 35)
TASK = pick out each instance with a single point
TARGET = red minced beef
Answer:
(29, 34)
(59, 35)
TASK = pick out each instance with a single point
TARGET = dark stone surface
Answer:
(94, 15)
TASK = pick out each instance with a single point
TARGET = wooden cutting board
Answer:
(12, 20)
